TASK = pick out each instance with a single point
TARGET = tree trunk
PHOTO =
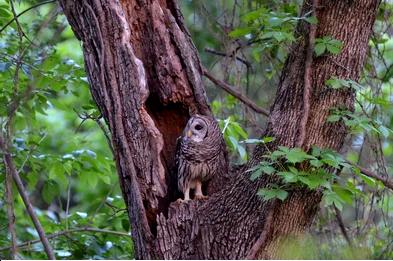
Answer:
(146, 78)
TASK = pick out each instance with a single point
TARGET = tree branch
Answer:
(342, 226)
(10, 213)
(385, 180)
(24, 11)
(231, 90)
(66, 232)
(10, 168)
(212, 51)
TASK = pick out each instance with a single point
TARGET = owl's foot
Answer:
(180, 200)
(201, 197)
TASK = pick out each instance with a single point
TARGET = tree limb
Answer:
(385, 180)
(10, 167)
(240, 96)
(65, 232)
(212, 51)
(342, 226)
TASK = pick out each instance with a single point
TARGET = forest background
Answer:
(59, 142)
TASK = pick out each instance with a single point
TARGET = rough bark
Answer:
(145, 77)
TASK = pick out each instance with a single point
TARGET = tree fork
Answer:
(146, 79)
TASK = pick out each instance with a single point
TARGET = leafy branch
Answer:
(71, 231)
(296, 168)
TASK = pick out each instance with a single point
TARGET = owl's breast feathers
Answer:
(200, 160)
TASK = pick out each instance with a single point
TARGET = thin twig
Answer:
(10, 214)
(31, 150)
(231, 90)
(212, 51)
(342, 226)
(22, 191)
(385, 180)
(68, 202)
(24, 11)
(307, 79)
(66, 232)
(86, 116)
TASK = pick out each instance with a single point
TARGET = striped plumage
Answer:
(200, 154)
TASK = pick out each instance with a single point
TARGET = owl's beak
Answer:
(189, 134)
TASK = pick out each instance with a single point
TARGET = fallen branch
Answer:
(66, 232)
(231, 90)
(10, 168)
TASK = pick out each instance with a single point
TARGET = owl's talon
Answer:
(201, 197)
(180, 200)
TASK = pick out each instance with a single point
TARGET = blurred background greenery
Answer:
(62, 154)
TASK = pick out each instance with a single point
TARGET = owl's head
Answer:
(197, 128)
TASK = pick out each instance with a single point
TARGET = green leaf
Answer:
(276, 154)
(50, 190)
(319, 49)
(241, 32)
(289, 177)
(267, 139)
(275, 21)
(316, 163)
(236, 127)
(344, 194)
(56, 170)
(268, 169)
(253, 15)
(4, 13)
(334, 83)
(242, 152)
(234, 142)
(296, 155)
(384, 131)
(268, 194)
(312, 20)
(369, 181)
(256, 174)
(333, 118)
(333, 49)
(331, 198)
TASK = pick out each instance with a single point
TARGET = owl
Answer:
(200, 155)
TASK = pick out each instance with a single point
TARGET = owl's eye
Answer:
(198, 127)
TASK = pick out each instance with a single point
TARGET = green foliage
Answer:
(327, 44)
(297, 169)
(233, 133)
(64, 160)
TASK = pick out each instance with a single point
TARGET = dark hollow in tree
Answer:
(146, 78)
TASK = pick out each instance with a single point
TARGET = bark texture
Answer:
(145, 76)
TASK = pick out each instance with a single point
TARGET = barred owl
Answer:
(200, 155)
